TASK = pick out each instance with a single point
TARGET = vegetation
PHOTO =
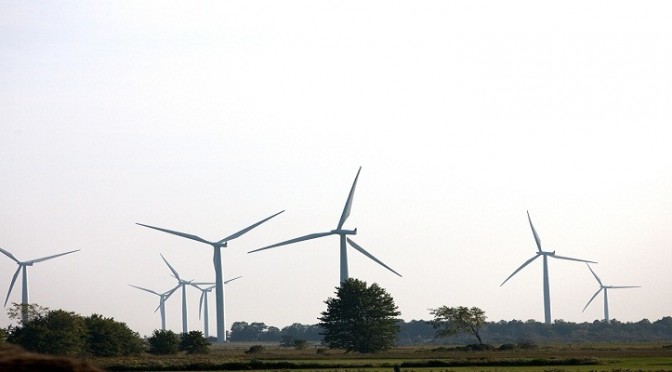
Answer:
(60, 332)
(450, 321)
(194, 343)
(360, 318)
(260, 332)
(163, 342)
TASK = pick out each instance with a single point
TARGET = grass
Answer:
(553, 358)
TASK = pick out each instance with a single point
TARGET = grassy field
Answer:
(552, 358)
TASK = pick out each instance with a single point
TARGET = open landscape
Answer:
(576, 357)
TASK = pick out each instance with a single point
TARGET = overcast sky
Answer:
(205, 117)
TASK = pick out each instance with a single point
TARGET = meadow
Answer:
(548, 358)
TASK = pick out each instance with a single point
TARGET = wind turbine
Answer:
(217, 260)
(162, 301)
(343, 235)
(606, 300)
(545, 255)
(23, 267)
(204, 300)
(182, 283)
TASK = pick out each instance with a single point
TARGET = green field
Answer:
(552, 358)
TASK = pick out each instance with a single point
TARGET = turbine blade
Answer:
(520, 268)
(595, 275)
(592, 298)
(230, 280)
(369, 255)
(625, 286)
(50, 257)
(9, 255)
(243, 231)
(348, 203)
(534, 232)
(177, 276)
(295, 240)
(200, 304)
(184, 235)
(11, 285)
(571, 259)
(145, 289)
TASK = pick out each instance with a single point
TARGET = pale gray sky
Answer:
(205, 117)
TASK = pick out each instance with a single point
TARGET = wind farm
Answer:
(162, 301)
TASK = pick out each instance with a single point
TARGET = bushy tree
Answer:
(163, 342)
(449, 321)
(57, 332)
(194, 343)
(107, 337)
(360, 318)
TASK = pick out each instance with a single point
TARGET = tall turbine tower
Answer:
(182, 283)
(342, 233)
(606, 300)
(545, 255)
(204, 310)
(23, 265)
(162, 301)
(217, 260)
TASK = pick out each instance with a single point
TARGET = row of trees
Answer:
(257, 331)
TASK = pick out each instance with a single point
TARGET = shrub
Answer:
(254, 349)
(107, 337)
(194, 343)
(163, 342)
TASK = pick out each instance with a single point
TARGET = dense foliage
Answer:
(60, 332)
(449, 321)
(163, 342)
(242, 331)
(194, 343)
(360, 318)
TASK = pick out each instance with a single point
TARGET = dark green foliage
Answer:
(449, 321)
(32, 311)
(107, 337)
(163, 342)
(3, 335)
(254, 349)
(57, 332)
(360, 318)
(194, 343)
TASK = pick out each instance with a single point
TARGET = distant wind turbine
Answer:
(545, 255)
(204, 310)
(182, 283)
(22, 267)
(162, 301)
(217, 260)
(342, 233)
(605, 287)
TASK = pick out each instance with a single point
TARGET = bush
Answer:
(57, 332)
(163, 342)
(254, 349)
(194, 343)
(107, 337)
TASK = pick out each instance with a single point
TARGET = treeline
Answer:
(420, 332)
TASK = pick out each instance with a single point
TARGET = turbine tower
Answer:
(545, 255)
(606, 300)
(162, 301)
(23, 265)
(204, 310)
(182, 283)
(340, 232)
(217, 260)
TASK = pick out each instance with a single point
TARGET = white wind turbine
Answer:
(23, 265)
(343, 235)
(162, 301)
(545, 255)
(605, 288)
(204, 300)
(182, 283)
(217, 260)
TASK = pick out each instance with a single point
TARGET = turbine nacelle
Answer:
(344, 232)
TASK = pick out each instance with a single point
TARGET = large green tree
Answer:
(449, 321)
(360, 318)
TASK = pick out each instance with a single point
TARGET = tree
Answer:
(107, 337)
(32, 311)
(194, 343)
(449, 321)
(57, 332)
(163, 342)
(360, 318)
